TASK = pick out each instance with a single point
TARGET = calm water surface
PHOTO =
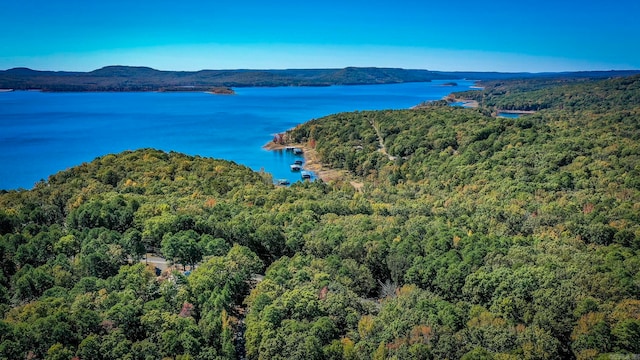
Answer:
(43, 133)
(509, 115)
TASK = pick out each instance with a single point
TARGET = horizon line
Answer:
(326, 68)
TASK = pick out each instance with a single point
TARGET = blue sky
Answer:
(192, 35)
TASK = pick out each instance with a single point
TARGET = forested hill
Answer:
(559, 93)
(127, 78)
(471, 237)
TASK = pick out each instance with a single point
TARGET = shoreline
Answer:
(311, 161)
(467, 103)
(473, 104)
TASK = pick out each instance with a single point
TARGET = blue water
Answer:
(509, 115)
(44, 133)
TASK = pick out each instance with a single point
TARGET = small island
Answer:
(222, 90)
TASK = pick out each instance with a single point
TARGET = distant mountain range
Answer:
(128, 78)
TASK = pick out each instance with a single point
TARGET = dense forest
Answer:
(557, 93)
(471, 237)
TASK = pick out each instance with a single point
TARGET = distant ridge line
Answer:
(141, 78)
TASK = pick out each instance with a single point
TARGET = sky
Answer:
(508, 36)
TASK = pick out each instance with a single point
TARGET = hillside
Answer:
(558, 93)
(125, 78)
(471, 237)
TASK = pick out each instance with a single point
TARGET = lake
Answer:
(44, 133)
